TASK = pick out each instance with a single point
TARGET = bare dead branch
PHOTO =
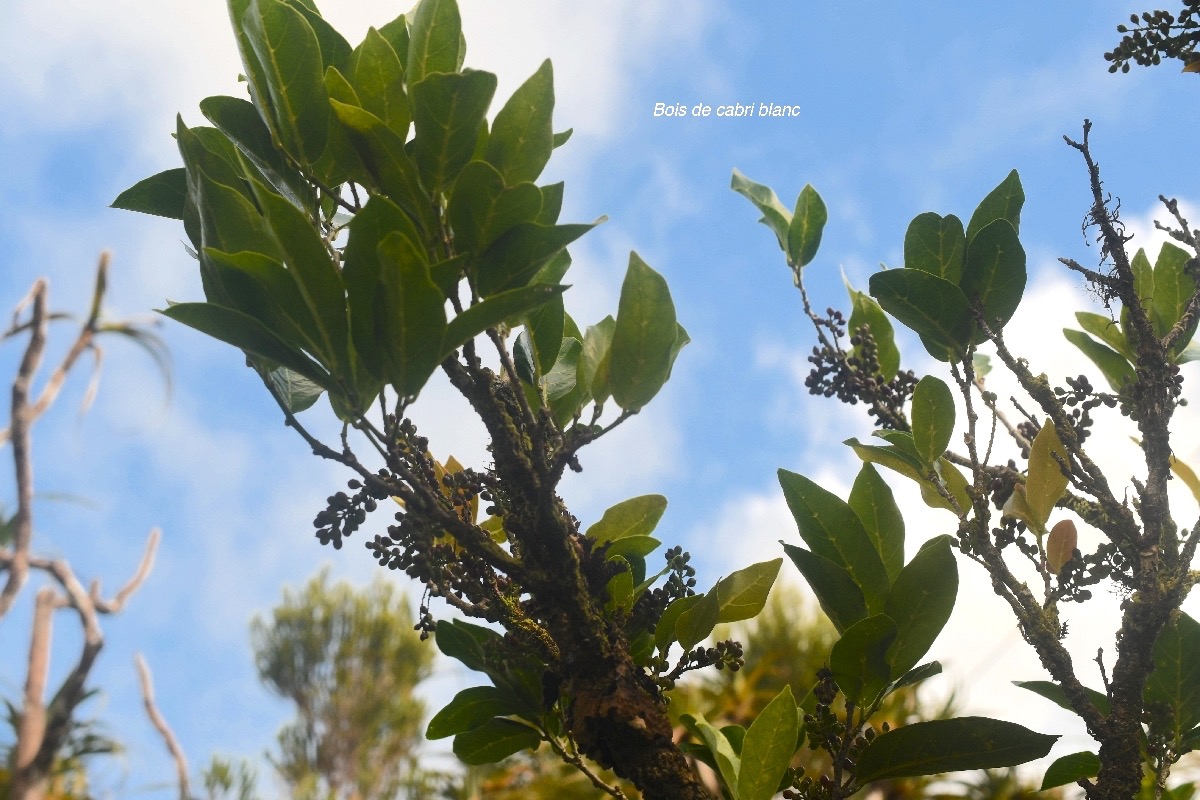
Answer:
(31, 732)
(133, 584)
(160, 725)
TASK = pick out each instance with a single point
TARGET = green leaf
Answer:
(1143, 280)
(562, 137)
(377, 75)
(1173, 288)
(562, 377)
(1107, 331)
(335, 50)
(637, 546)
(865, 311)
(775, 214)
(410, 315)
(1070, 768)
(162, 195)
(743, 593)
(495, 740)
(1175, 680)
(994, 273)
(1112, 365)
(832, 530)
(950, 745)
(1003, 202)
(287, 49)
(435, 39)
(546, 327)
(804, 231)
(597, 344)
(552, 197)
(312, 266)
(837, 593)
(929, 305)
(495, 310)
(241, 330)
(620, 587)
(935, 244)
(727, 760)
(921, 601)
(636, 516)
(297, 392)
(697, 622)
(914, 676)
(644, 337)
(1055, 694)
(859, 659)
(464, 642)
(932, 418)
(448, 110)
(1046, 482)
(872, 501)
(522, 138)
(470, 709)
(664, 632)
(482, 207)
(768, 747)
(518, 255)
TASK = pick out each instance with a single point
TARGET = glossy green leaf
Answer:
(1046, 482)
(1070, 768)
(955, 483)
(522, 138)
(297, 392)
(994, 272)
(767, 748)
(697, 622)
(448, 110)
(872, 501)
(335, 50)
(1003, 202)
(1173, 288)
(832, 530)
(636, 516)
(469, 709)
(494, 741)
(562, 377)
(1107, 331)
(410, 316)
(837, 593)
(389, 167)
(263, 288)
(311, 264)
(162, 195)
(597, 344)
(495, 310)
(1055, 694)
(932, 418)
(435, 39)
(463, 642)
(1143, 279)
(287, 49)
(914, 676)
(743, 594)
(620, 587)
(921, 601)
(1112, 365)
(727, 760)
(859, 661)
(804, 231)
(664, 632)
(637, 546)
(775, 214)
(482, 207)
(929, 305)
(516, 257)
(552, 198)
(241, 330)
(377, 75)
(935, 244)
(1175, 680)
(865, 311)
(950, 745)
(546, 326)
(644, 337)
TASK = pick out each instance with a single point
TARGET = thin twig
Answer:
(160, 725)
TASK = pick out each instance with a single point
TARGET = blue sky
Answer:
(904, 108)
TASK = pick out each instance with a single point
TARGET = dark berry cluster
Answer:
(345, 513)
(1157, 34)
(1082, 399)
(681, 582)
(1003, 481)
(856, 377)
(722, 655)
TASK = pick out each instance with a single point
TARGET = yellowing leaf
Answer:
(1046, 482)
(1061, 544)
(1183, 471)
